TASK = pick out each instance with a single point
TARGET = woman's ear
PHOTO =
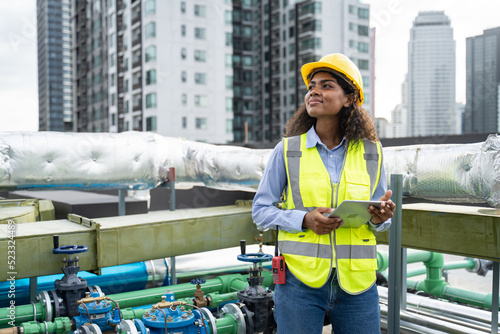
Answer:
(350, 100)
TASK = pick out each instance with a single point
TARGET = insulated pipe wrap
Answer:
(453, 173)
(141, 160)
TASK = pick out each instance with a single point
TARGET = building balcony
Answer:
(137, 40)
(136, 86)
(136, 18)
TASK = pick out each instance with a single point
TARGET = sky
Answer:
(393, 20)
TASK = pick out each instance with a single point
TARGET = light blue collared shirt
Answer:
(273, 182)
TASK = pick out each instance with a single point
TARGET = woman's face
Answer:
(325, 97)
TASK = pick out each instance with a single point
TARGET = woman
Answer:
(330, 153)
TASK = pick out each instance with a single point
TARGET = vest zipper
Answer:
(346, 145)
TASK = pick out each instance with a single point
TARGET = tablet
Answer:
(354, 213)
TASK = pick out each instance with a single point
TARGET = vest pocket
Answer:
(363, 249)
(357, 185)
(314, 189)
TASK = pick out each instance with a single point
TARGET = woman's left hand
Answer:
(386, 210)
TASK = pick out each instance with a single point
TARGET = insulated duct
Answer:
(141, 160)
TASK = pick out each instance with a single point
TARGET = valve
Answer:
(199, 296)
(165, 317)
(69, 288)
(257, 300)
(96, 309)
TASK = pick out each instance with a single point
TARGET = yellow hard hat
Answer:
(339, 63)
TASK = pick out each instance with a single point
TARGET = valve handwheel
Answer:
(68, 249)
(255, 257)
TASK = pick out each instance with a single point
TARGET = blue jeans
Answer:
(300, 309)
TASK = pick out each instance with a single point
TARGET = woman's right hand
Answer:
(319, 224)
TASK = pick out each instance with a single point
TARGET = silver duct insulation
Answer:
(455, 173)
(140, 160)
(129, 160)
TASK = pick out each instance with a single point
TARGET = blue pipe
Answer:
(116, 279)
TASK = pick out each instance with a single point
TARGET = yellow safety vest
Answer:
(311, 257)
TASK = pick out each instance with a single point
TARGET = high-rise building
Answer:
(482, 110)
(209, 70)
(431, 76)
(54, 65)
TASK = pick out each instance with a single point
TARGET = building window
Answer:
(363, 30)
(151, 77)
(150, 30)
(113, 119)
(150, 53)
(229, 104)
(183, 53)
(314, 43)
(352, 9)
(363, 64)
(149, 7)
(229, 17)
(201, 100)
(363, 13)
(151, 123)
(184, 99)
(229, 60)
(200, 33)
(113, 99)
(183, 7)
(366, 81)
(199, 10)
(184, 76)
(200, 55)
(229, 39)
(229, 82)
(183, 30)
(229, 126)
(200, 78)
(201, 123)
(363, 47)
(184, 122)
(151, 100)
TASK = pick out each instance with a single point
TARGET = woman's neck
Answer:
(329, 133)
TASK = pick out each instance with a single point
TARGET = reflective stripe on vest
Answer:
(325, 251)
(309, 256)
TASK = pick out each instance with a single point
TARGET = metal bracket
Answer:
(81, 220)
(95, 225)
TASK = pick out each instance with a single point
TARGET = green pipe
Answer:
(60, 325)
(15, 315)
(472, 298)
(226, 325)
(221, 284)
(465, 264)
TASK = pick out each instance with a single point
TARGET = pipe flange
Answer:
(211, 319)
(97, 289)
(83, 330)
(94, 329)
(44, 297)
(234, 311)
(55, 300)
(128, 326)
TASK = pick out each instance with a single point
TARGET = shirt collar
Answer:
(313, 139)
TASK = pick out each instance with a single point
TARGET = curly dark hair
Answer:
(355, 123)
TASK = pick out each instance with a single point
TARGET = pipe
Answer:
(465, 264)
(127, 277)
(222, 284)
(440, 307)
(54, 160)
(226, 325)
(60, 325)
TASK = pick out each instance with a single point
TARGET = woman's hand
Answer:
(386, 210)
(318, 223)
